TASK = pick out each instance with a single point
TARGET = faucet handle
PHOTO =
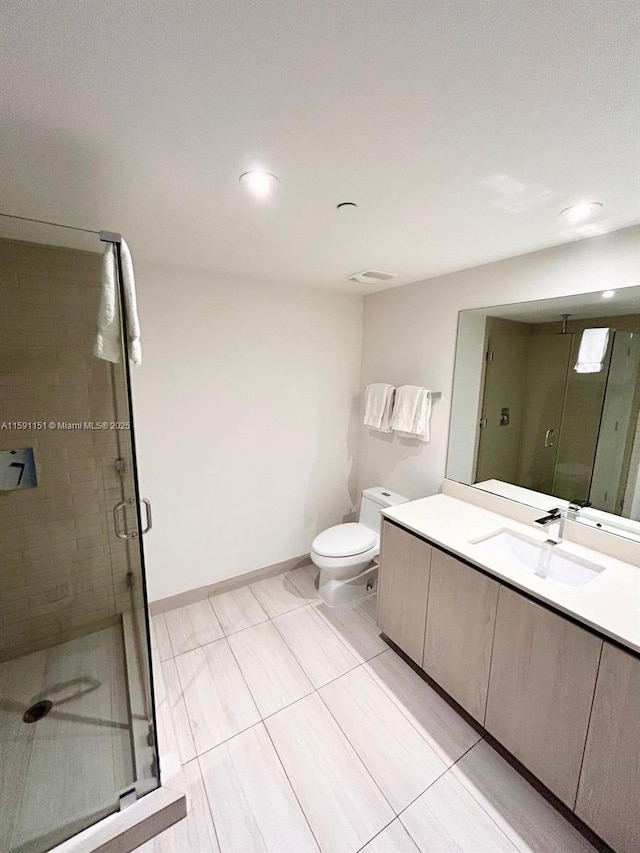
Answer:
(577, 505)
(554, 515)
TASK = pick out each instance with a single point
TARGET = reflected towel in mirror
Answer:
(593, 347)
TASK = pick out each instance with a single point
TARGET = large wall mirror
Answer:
(546, 404)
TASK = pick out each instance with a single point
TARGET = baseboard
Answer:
(181, 599)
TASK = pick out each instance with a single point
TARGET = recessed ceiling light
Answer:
(346, 206)
(608, 294)
(260, 184)
(581, 211)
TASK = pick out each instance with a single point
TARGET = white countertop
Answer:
(610, 603)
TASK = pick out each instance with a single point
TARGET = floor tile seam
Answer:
(284, 612)
(358, 756)
(246, 628)
(432, 783)
(215, 615)
(304, 669)
(201, 646)
(255, 598)
(399, 709)
(291, 785)
(268, 716)
(296, 587)
(248, 686)
(264, 606)
(472, 795)
(246, 586)
(373, 838)
(405, 714)
(175, 724)
(284, 640)
(186, 711)
(333, 631)
(327, 622)
(173, 651)
(206, 796)
(516, 849)
(228, 740)
(314, 689)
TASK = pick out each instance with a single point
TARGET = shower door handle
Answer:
(147, 506)
(118, 513)
(548, 438)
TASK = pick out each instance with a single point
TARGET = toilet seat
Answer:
(344, 540)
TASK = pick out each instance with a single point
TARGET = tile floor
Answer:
(293, 727)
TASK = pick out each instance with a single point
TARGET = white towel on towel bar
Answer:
(412, 412)
(593, 348)
(107, 344)
(378, 405)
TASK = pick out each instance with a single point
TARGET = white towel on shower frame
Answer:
(107, 344)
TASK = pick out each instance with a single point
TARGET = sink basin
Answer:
(537, 558)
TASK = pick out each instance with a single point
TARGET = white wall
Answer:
(410, 337)
(246, 422)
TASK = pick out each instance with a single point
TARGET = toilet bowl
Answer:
(346, 553)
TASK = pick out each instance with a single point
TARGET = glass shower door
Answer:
(76, 714)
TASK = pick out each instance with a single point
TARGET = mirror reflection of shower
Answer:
(553, 420)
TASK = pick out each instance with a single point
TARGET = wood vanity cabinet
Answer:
(543, 675)
(609, 790)
(405, 564)
(461, 615)
(563, 701)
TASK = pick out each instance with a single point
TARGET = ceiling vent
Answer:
(371, 276)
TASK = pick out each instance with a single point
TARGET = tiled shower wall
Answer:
(62, 572)
(634, 462)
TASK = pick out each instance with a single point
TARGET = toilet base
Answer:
(334, 592)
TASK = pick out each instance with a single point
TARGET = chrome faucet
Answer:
(556, 518)
(573, 510)
(554, 522)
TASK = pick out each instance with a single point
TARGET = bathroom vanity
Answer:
(540, 645)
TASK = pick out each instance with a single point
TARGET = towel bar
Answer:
(435, 395)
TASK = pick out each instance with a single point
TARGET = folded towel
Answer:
(378, 405)
(593, 348)
(412, 412)
(107, 344)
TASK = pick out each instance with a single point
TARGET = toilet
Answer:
(345, 553)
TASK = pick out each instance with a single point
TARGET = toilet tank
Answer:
(375, 499)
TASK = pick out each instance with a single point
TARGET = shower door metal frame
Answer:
(116, 239)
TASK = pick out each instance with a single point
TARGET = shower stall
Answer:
(77, 732)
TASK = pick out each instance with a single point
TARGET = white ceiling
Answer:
(460, 127)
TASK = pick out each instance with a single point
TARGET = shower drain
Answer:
(37, 711)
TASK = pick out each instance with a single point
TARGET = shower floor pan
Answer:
(64, 770)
